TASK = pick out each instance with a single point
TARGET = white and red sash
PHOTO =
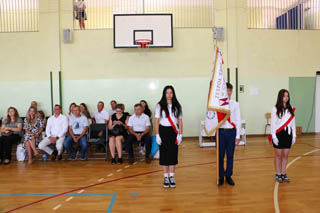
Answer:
(175, 128)
(283, 126)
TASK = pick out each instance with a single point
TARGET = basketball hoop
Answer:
(144, 43)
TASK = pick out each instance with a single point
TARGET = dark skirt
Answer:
(285, 140)
(168, 148)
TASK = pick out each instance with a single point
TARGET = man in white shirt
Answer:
(139, 127)
(113, 105)
(56, 129)
(101, 116)
(229, 135)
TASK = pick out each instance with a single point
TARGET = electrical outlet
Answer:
(241, 88)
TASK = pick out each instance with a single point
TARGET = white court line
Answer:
(101, 179)
(276, 186)
(119, 170)
(126, 166)
(79, 192)
(109, 175)
(311, 152)
(68, 199)
(58, 206)
(134, 163)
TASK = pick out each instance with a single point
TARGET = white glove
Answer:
(179, 139)
(275, 140)
(158, 140)
(293, 140)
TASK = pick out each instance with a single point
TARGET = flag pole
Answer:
(217, 146)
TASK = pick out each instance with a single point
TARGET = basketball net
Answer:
(143, 46)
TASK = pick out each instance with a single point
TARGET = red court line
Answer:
(127, 177)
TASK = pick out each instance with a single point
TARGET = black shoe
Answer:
(285, 178)
(221, 181)
(131, 161)
(113, 161)
(6, 161)
(172, 182)
(230, 181)
(54, 155)
(59, 157)
(148, 161)
(120, 161)
(166, 183)
(279, 178)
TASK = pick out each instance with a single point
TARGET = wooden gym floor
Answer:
(98, 186)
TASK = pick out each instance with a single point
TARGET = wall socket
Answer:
(241, 89)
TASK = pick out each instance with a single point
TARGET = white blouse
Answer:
(277, 122)
(163, 119)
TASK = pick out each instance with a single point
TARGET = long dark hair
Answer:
(147, 110)
(86, 111)
(279, 104)
(176, 107)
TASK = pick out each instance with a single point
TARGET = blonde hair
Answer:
(35, 116)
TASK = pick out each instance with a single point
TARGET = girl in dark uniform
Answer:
(283, 131)
(168, 126)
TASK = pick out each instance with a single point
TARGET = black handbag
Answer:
(116, 130)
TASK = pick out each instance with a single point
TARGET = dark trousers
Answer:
(227, 139)
(6, 145)
(146, 139)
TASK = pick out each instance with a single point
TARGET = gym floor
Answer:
(97, 186)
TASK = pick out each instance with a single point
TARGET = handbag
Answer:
(116, 130)
(21, 152)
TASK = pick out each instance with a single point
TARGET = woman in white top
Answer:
(168, 126)
(80, 9)
(283, 131)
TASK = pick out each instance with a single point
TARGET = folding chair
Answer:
(93, 139)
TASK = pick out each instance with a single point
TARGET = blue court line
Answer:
(112, 203)
(114, 196)
(134, 193)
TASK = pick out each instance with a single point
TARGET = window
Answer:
(186, 13)
(19, 15)
(284, 14)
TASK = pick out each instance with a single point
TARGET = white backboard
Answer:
(129, 27)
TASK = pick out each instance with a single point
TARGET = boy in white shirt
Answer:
(229, 136)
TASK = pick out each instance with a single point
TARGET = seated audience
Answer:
(139, 128)
(78, 127)
(43, 117)
(33, 127)
(123, 109)
(113, 105)
(10, 134)
(71, 106)
(101, 116)
(85, 112)
(146, 109)
(56, 131)
(117, 133)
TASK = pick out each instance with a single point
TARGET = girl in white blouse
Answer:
(283, 131)
(168, 126)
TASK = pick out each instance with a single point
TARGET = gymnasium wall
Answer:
(92, 70)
